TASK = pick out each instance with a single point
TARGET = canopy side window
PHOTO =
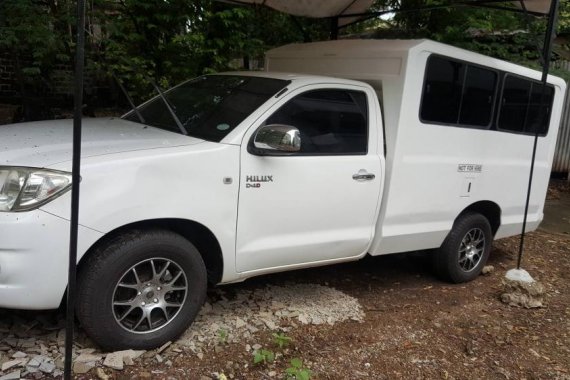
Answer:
(459, 94)
(520, 108)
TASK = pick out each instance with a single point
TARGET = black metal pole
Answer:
(547, 50)
(334, 28)
(76, 178)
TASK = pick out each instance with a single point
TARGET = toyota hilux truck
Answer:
(337, 150)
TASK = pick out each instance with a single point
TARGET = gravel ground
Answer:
(32, 344)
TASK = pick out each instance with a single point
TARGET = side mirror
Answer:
(277, 138)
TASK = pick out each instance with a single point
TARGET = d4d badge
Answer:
(255, 180)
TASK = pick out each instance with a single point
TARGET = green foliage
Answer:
(297, 371)
(37, 35)
(263, 356)
(505, 35)
(281, 340)
(564, 17)
(223, 336)
(167, 42)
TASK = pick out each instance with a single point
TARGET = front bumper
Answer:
(34, 248)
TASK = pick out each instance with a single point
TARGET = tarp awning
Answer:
(537, 6)
(336, 8)
(315, 8)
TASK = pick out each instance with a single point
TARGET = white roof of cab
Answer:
(309, 78)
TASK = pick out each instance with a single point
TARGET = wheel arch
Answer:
(489, 210)
(198, 234)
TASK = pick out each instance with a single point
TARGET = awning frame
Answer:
(77, 129)
(474, 3)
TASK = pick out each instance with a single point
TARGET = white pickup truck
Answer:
(260, 172)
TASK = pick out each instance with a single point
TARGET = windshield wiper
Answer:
(170, 109)
(129, 99)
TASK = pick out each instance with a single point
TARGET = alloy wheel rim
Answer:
(149, 295)
(471, 249)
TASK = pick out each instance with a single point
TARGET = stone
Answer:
(521, 290)
(114, 360)
(158, 358)
(252, 329)
(240, 323)
(27, 343)
(270, 324)
(12, 342)
(32, 369)
(47, 366)
(86, 351)
(88, 357)
(127, 360)
(487, 269)
(82, 368)
(36, 361)
(60, 337)
(13, 363)
(43, 349)
(304, 319)
(519, 275)
(11, 376)
(101, 374)
(59, 364)
(133, 354)
(19, 355)
(164, 347)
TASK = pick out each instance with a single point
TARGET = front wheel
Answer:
(465, 250)
(140, 290)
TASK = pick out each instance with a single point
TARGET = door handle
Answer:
(362, 175)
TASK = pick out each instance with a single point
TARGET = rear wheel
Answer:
(140, 290)
(465, 250)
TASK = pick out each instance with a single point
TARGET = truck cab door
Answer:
(318, 204)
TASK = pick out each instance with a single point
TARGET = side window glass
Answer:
(514, 104)
(478, 97)
(520, 106)
(329, 121)
(537, 118)
(442, 90)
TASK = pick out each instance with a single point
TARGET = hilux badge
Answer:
(255, 180)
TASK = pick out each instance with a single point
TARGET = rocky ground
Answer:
(379, 318)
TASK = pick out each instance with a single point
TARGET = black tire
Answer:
(459, 259)
(158, 257)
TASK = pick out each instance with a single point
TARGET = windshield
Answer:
(209, 107)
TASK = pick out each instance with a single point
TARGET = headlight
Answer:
(23, 189)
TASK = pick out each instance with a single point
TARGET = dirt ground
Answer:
(415, 326)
